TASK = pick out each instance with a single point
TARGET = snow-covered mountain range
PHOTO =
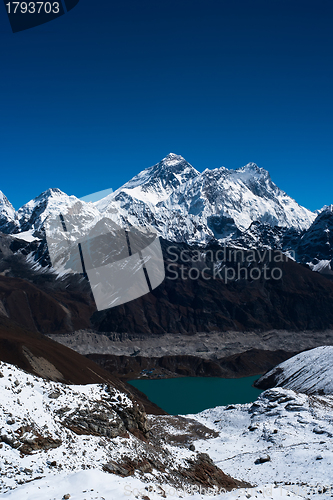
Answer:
(242, 207)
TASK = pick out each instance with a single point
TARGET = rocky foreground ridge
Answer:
(93, 442)
(49, 429)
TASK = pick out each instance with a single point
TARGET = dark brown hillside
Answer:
(44, 308)
(37, 354)
(300, 300)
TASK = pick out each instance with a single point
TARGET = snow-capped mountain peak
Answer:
(328, 208)
(325, 208)
(244, 195)
(6, 208)
(184, 204)
(172, 159)
(173, 171)
(252, 170)
(155, 184)
(7, 214)
(53, 201)
(32, 214)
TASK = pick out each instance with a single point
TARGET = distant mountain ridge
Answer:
(241, 207)
(214, 204)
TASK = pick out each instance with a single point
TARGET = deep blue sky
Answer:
(92, 98)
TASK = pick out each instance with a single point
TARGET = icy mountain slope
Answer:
(246, 195)
(316, 244)
(53, 201)
(7, 214)
(155, 184)
(310, 372)
(283, 438)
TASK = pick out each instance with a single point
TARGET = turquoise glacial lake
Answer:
(193, 394)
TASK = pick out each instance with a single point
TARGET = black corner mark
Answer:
(23, 15)
(70, 4)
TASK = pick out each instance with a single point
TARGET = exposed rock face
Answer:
(28, 439)
(107, 417)
(95, 421)
(199, 471)
(135, 419)
(317, 241)
(203, 471)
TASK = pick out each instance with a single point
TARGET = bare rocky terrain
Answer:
(211, 345)
(221, 354)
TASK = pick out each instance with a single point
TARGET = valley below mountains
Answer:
(196, 319)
